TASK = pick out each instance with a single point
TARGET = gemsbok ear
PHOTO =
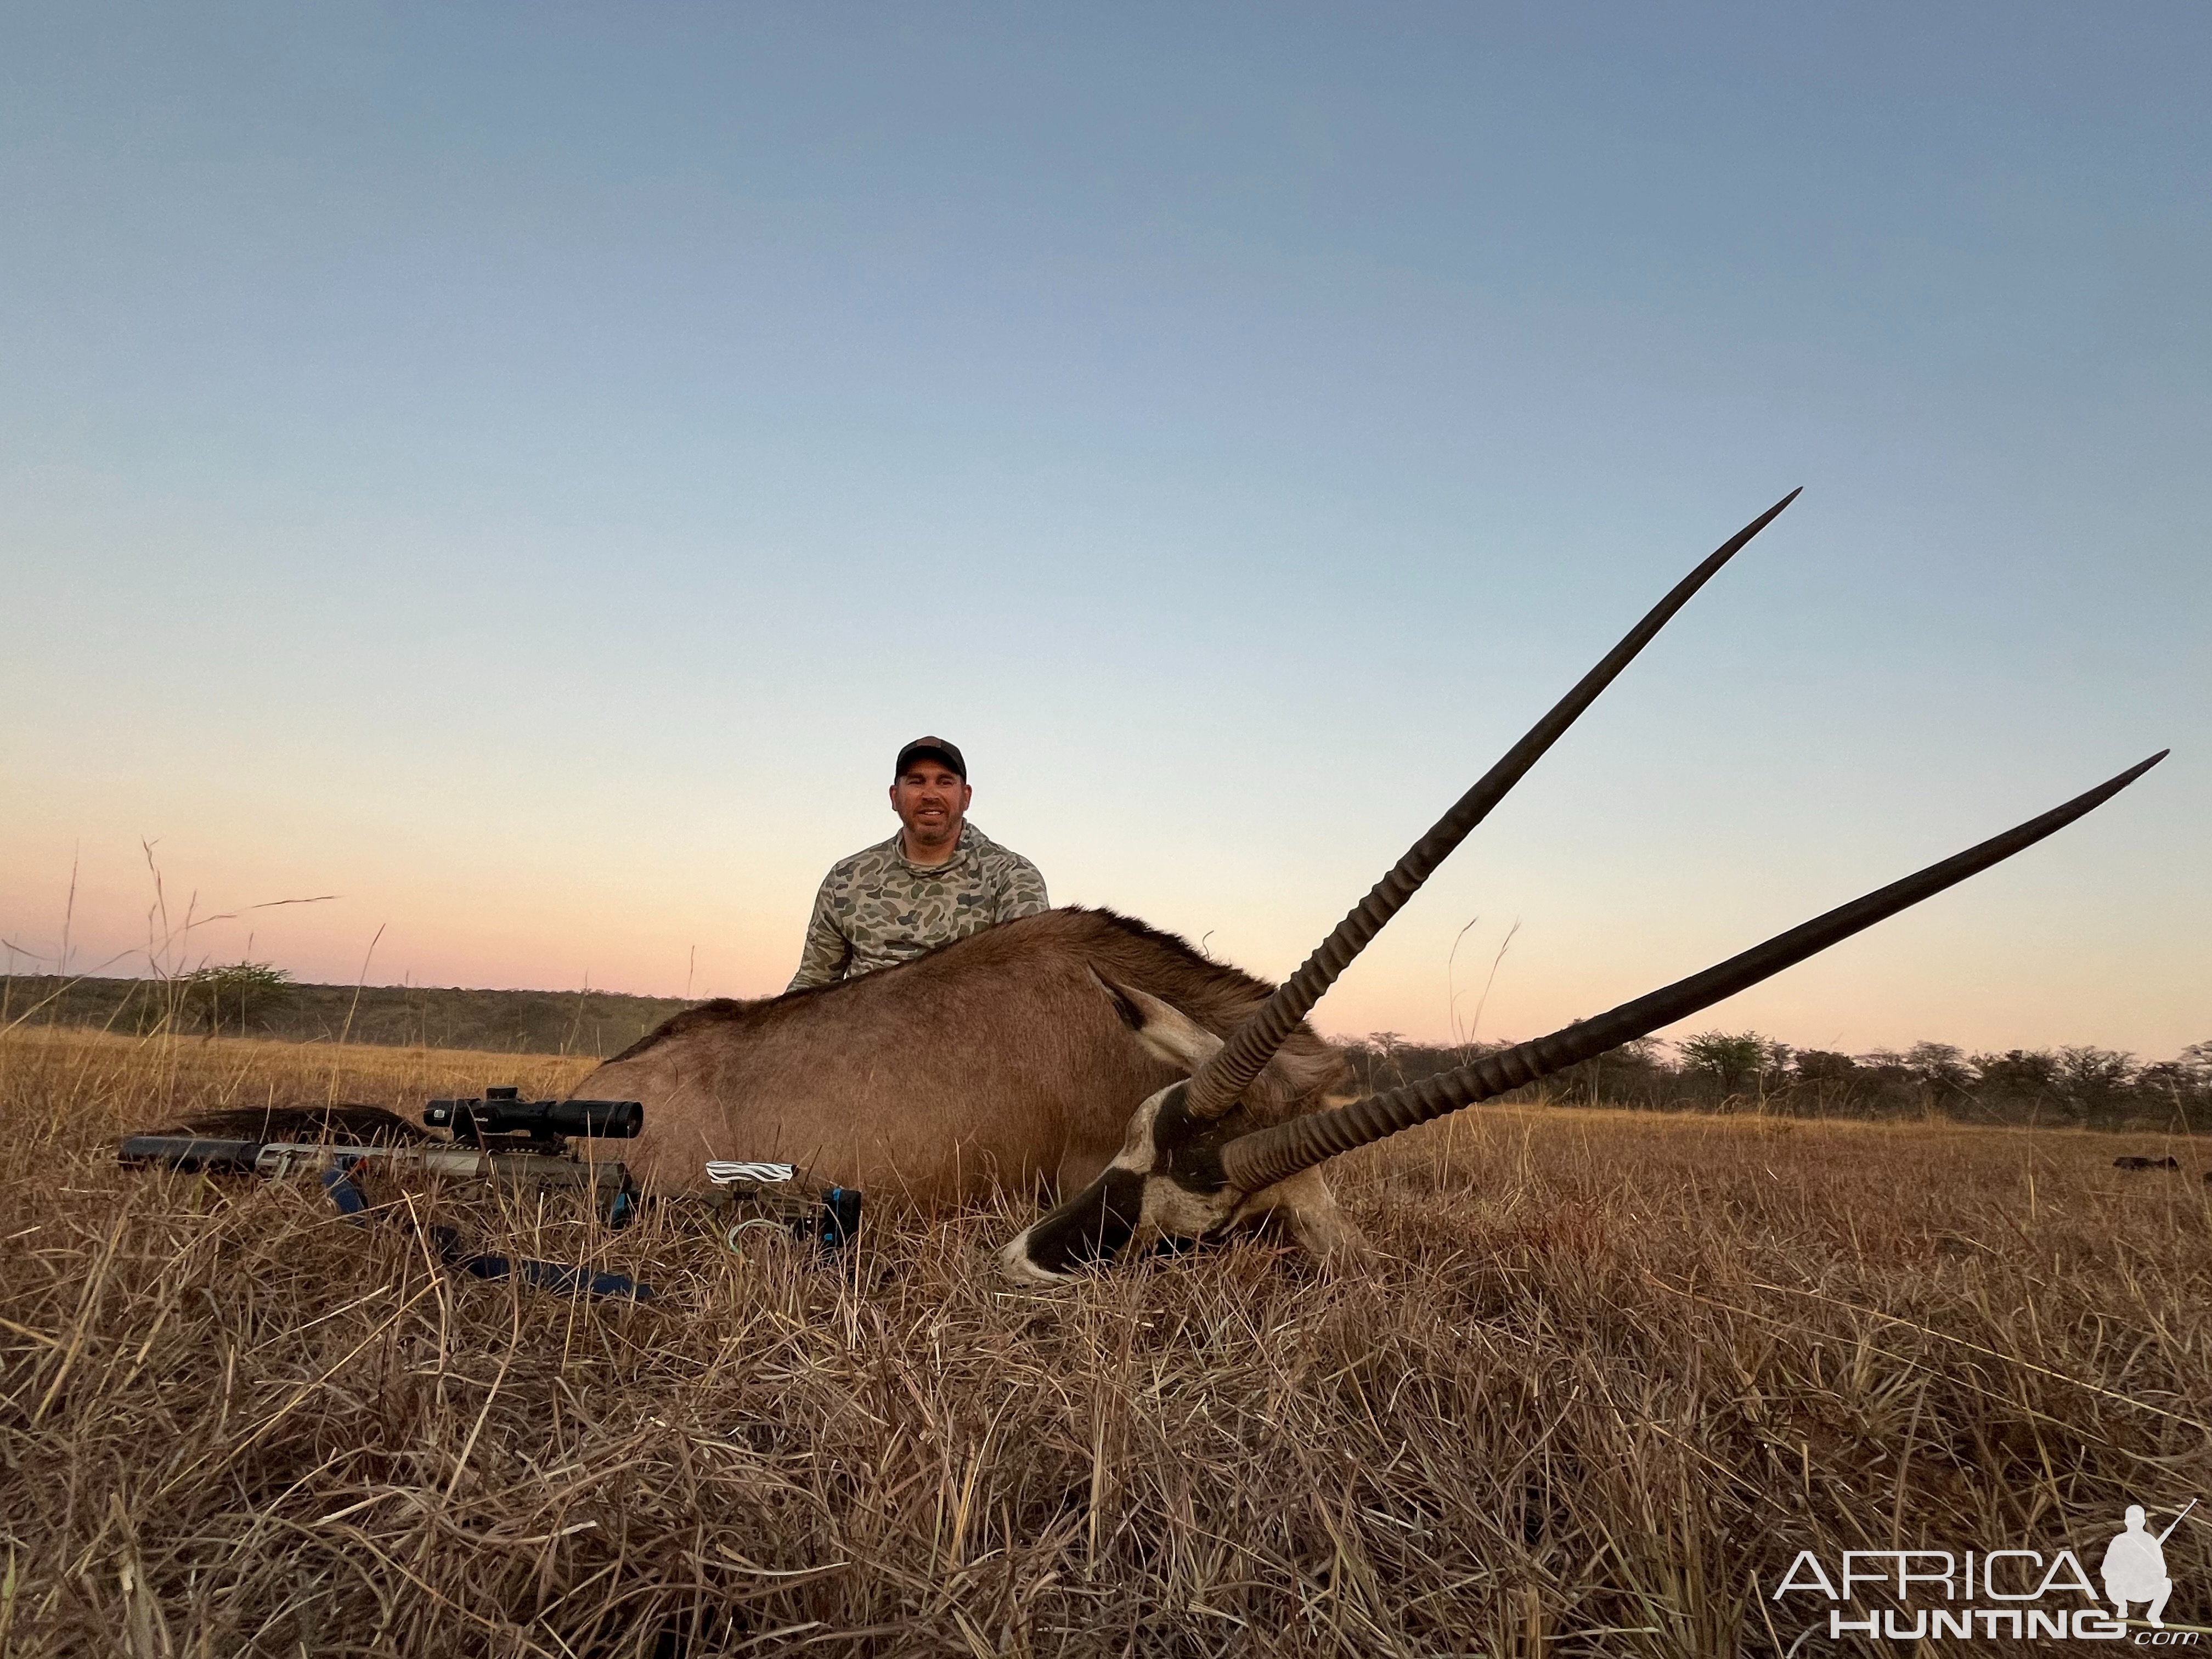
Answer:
(1168, 1034)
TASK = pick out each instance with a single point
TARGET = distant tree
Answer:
(1385, 1060)
(1376, 1058)
(1939, 1069)
(2094, 1083)
(1823, 1080)
(242, 994)
(2170, 1080)
(2190, 1070)
(1635, 1074)
(1822, 1066)
(1887, 1064)
(2178, 1090)
(2029, 1072)
(1736, 1062)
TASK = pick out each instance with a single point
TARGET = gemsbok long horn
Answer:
(1223, 1080)
(1266, 1156)
(1181, 1176)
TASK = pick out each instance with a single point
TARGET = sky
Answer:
(522, 471)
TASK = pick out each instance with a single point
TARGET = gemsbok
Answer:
(1160, 1095)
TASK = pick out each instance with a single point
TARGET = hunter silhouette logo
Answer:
(1998, 1595)
(2134, 1567)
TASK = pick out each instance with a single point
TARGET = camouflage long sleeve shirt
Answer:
(875, 910)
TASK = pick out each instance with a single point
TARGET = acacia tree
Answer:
(1939, 1069)
(243, 993)
(1736, 1062)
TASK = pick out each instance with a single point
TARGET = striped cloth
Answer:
(725, 1174)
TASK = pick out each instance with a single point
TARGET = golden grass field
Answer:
(1610, 1373)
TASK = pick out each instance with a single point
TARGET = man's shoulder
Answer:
(867, 862)
(997, 861)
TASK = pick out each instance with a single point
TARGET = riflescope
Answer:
(504, 1112)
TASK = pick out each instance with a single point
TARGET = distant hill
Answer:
(598, 1022)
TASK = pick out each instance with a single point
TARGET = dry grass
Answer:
(1612, 1370)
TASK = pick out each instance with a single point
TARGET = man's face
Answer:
(931, 802)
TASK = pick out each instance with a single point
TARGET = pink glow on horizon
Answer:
(485, 931)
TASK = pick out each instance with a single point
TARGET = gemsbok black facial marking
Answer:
(1160, 1185)
(1095, 1225)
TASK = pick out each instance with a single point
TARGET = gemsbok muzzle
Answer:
(1190, 1169)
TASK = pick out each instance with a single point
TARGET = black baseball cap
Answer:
(934, 749)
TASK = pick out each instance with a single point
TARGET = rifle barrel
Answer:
(2178, 1519)
(190, 1152)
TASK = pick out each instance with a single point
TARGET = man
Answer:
(939, 879)
(2134, 1570)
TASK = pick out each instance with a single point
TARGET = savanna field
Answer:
(1609, 1373)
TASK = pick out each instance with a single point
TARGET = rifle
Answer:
(501, 1138)
(519, 1145)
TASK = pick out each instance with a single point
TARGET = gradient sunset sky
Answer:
(524, 470)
